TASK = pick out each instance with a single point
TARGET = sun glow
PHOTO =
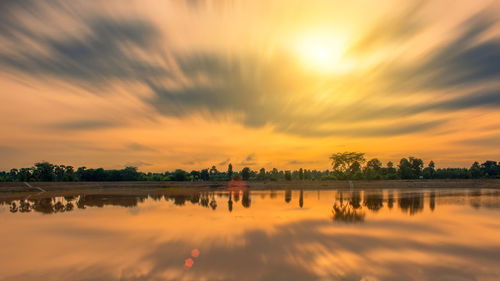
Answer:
(322, 52)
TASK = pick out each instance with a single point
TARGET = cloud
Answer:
(139, 147)
(488, 141)
(138, 164)
(249, 160)
(225, 162)
(94, 58)
(299, 162)
(463, 61)
(250, 157)
(248, 88)
(81, 125)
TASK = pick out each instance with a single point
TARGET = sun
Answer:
(322, 52)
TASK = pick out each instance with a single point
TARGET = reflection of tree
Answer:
(204, 200)
(374, 200)
(355, 200)
(156, 197)
(43, 205)
(432, 202)
(100, 200)
(288, 196)
(213, 203)
(230, 202)
(245, 199)
(59, 207)
(13, 207)
(346, 213)
(301, 198)
(390, 199)
(272, 194)
(411, 202)
(24, 206)
(195, 198)
(347, 207)
(236, 196)
(475, 198)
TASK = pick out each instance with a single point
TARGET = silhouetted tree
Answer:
(429, 171)
(405, 171)
(490, 169)
(262, 174)
(475, 170)
(245, 173)
(204, 175)
(230, 171)
(373, 170)
(44, 171)
(347, 163)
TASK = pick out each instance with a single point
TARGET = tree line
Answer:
(345, 166)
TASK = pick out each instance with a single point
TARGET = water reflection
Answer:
(348, 206)
(353, 235)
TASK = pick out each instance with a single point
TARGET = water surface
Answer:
(451, 234)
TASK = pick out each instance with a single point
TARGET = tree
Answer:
(213, 172)
(179, 175)
(230, 171)
(374, 164)
(44, 171)
(262, 174)
(429, 171)
(204, 175)
(59, 171)
(390, 172)
(24, 174)
(490, 169)
(195, 175)
(475, 170)
(373, 169)
(301, 174)
(347, 163)
(416, 165)
(245, 173)
(405, 170)
(130, 174)
(288, 175)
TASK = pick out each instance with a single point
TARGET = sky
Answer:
(189, 84)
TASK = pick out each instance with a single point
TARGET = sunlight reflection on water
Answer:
(253, 235)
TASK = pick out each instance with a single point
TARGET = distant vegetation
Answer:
(346, 165)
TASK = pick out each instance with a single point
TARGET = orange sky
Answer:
(190, 84)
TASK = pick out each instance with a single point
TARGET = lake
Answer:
(390, 234)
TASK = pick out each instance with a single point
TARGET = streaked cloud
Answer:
(412, 68)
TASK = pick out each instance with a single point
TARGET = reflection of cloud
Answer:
(310, 247)
(288, 257)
